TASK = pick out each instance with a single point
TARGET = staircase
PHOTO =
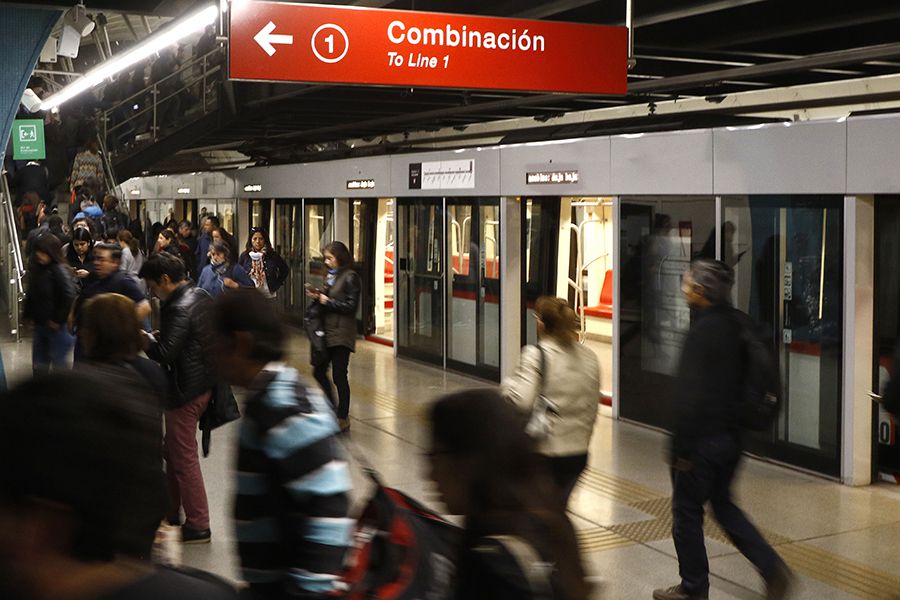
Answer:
(166, 116)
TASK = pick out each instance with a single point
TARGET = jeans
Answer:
(714, 463)
(50, 348)
(183, 473)
(339, 359)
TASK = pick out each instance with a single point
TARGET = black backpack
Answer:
(762, 391)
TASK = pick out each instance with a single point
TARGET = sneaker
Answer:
(779, 585)
(195, 536)
(676, 592)
(344, 424)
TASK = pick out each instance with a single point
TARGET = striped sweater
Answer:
(292, 492)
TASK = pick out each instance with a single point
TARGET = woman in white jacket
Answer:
(567, 375)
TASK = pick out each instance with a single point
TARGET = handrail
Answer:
(148, 112)
(13, 233)
(15, 274)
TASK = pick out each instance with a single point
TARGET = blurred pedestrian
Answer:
(562, 378)
(290, 469)
(51, 292)
(221, 273)
(183, 346)
(706, 442)
(339, 301)
(266, 267)
(518, 542)
(108, 278)
(81, 496)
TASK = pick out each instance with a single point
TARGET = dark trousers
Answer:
(50, 348)
(714, 463)
(565, 471)
(339, 359)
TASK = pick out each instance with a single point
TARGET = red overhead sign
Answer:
(272, 41)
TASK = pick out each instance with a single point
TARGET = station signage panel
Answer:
(272, 41)
(442, 175)
(360, 184)
(551, 177)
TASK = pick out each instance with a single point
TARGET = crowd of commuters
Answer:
(504, 459)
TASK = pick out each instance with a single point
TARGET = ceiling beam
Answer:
(687, 12)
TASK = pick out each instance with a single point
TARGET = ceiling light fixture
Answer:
(178, 31)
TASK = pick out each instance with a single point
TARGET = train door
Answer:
(658, 238)
(540, 243)
(372, 245)
(473, 298)
(303, 228)
(787, 253)
(887, 331)
(420, 273)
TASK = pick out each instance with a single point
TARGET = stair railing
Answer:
(13, 262)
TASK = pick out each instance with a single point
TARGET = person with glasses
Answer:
(266, 268)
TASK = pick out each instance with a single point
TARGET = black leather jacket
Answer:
(340, 310)
(184, 344)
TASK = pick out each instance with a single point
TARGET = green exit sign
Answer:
(28, 139)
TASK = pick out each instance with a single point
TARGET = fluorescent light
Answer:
(150, 46)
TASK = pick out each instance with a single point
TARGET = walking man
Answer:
(183, 344)
(291, 470)
(706, 443)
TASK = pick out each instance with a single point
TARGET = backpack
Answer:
(762, 392)
(401, 550)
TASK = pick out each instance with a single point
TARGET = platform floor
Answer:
(843, 542)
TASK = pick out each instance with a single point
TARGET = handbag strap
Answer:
(543, 369)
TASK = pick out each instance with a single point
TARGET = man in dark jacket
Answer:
(182, 345)
(706, 442)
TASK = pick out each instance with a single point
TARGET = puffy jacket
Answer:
(340, 310)
(276, 269)
(184, 344)
(571, 379)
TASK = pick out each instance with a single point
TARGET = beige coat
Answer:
(572, 381)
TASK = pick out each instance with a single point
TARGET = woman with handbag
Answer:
(339, 301)
(557, 384)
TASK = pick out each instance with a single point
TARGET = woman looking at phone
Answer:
(339, 300)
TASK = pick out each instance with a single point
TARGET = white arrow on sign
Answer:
(265, 38)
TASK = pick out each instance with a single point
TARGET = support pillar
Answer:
(510, 284)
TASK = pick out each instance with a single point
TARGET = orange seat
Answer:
(605, 309)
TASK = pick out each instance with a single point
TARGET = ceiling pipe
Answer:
(786, 67)
(842, 57)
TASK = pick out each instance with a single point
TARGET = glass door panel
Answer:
(887, 330)
(787, 252)
(489, 305)
(288, 235)
(658, 238)
(319, 232)
(540, 243)
(473, 315)
(420, 269)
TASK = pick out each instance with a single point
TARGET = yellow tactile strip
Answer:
(616, 488)
(600, 538)
(840, 572)
(836, 571)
